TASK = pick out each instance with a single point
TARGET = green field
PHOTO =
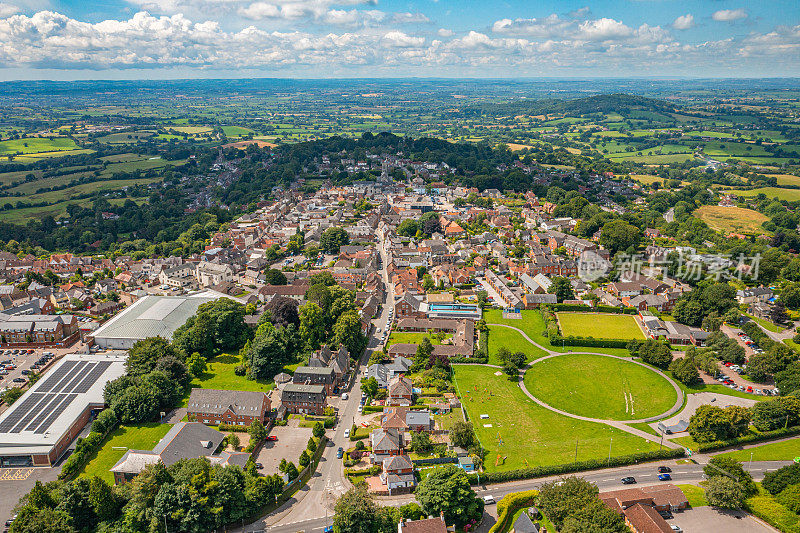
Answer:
(35, 145)
(600, 387)
(513, 340)
(732, 219)
(135, 437)
(413, 337)
(530, 432)
(77, 190)
(785, 450)
(220, 375)
(791, 195)
(532, 323)
(599, 326)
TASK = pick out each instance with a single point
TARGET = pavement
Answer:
(693, 401)
(311, 508)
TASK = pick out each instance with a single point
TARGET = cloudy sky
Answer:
(148, 39)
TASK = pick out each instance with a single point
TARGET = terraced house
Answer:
(240, 408)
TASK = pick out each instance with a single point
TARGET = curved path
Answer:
(619, 424)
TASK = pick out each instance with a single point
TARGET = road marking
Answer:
(16, 474)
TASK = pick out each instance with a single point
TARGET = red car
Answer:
(272, 438)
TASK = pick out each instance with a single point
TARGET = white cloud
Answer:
(357, 39)
(684, 22)
(402, 40)
(8, 10)
(729, 15)
(604, 29)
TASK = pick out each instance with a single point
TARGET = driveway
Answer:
(704, 519)
(290, 444)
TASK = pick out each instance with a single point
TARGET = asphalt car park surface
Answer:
(703, 519)
(290, 444)
(20, 362)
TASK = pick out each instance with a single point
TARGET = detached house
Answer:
(385, 443)
(400, 391)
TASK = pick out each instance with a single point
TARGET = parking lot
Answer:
(290, 444)
(704, 519)
(15, 364)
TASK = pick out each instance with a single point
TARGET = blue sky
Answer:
(68, 39)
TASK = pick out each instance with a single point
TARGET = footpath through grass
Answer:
(600, 387)
(134, 437)
(532, 323)
(500, 337)
(532, 435)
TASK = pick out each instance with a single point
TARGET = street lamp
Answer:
(750, 467)
(609, 450)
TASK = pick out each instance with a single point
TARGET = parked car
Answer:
(340, 453)
(676, 529)
(629, 480)
(344, 396)
(488, 499)
(327, 529)
(347, 433)
(664, 469)
(259, 466)
(664, 477)
(272, 438)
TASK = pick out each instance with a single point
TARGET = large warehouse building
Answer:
(151, 316)
(38, 428)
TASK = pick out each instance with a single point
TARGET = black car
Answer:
(259, 466)
(19, 380)
(664, 469)
(629, 480)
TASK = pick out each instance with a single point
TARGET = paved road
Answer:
(605, 479)
(316, 500)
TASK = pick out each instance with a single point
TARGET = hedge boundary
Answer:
(567, 468)
(747, 439)
(509, 505)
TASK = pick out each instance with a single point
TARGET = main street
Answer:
(314, 502)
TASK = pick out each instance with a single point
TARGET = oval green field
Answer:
(600, 387)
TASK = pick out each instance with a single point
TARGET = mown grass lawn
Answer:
(695, 495)
(134, 437)
(220, 375)
(413, 337)
(532, 435)
(500, 337)
(532, 324)
(600, 387)
(599, 326)
(777, 451)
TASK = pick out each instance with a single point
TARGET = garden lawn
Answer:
(532, 323)
(500, 337)
(695, 495)
(220, 375)
(600, 387)
(785, 450)
(599, 326)
(766, 324)
(134, 437)
(413, 337)
(532, 435)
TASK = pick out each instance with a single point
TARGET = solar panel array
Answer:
(53, 396)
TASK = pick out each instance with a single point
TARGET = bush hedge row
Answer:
(508, 506)
(554, 470)
(557, 340)
(475, 360)
(596, 309)
(371, 471)
(752, 437)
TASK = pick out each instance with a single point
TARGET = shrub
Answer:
(509, 505)
(776, 481)
(790, 498)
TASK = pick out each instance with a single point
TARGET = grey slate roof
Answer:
(242, 403)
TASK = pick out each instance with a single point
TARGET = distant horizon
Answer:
(422, 78)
